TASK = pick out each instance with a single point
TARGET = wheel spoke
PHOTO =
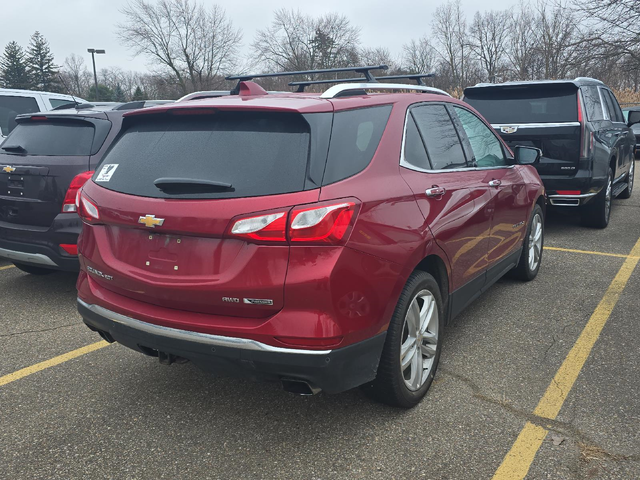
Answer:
(428, 349)
(413, 317)
(407, 351)
(416, 370)
(426, 314)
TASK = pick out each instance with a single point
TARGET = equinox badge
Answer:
(151, 221)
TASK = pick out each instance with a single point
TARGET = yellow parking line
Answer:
(517, 462)
(7, 266)
(12, 377)
(571, 250)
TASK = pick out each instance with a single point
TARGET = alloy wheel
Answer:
(607, 199)
(535, 242)
(419, 340)
(630, 179)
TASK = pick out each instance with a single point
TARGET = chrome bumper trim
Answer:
(196, 337)
(569, 200)
(32, 258)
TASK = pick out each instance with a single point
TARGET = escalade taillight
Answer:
(320, 224)
(586, 136)
(69, 203)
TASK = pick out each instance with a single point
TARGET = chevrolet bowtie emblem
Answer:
(8, 169)
(151, 221)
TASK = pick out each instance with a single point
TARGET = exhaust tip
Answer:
(299, 387)
(106, 336)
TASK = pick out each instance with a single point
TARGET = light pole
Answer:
(93, 51)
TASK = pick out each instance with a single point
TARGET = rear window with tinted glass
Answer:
(529, 104)
(256, 153)
(65, 138)
(10, 107)
(593, 103)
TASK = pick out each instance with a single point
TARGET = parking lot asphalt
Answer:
(113, 413)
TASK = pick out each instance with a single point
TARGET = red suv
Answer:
(320, 240)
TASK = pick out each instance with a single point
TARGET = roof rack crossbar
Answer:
(417, 77)
(365, 70)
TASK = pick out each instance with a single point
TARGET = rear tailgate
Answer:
(37, 163)
(171, 246)
(545, 116)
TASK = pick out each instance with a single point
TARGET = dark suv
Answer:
(319, 240)
(43, 163)
(587, 146)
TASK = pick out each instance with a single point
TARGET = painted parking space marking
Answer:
(6, 267)
(52, 362)
(517, 462)
(589, 252)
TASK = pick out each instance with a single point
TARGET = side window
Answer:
(57, 102)
(10, 107)
(486, 147)
(593, 105)
(616, 108)
(440, 137)
(414, 152)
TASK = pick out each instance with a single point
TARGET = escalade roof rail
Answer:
(363, 70)
(341, 89)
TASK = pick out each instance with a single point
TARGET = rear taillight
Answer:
(586, 137)
(87, 210)
(326, 225)
(70, 248)
(320, 224)
(69, 204)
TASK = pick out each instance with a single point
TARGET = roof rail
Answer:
(363, 70)
(417, 77)
(339, 90)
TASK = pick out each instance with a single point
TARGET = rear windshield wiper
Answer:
(191, 185)
(14, 148)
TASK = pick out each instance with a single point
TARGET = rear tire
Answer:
(414, 339)
(596, 214)
(626, 193)
(531, 257)
(33, 270)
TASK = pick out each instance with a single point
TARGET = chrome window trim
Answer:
(405, 164)
(605, 110)
(345, 87)
(536, 125)
(196, 337)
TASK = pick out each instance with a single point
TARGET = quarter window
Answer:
(592, 103)
(414, 152)
(440, 137)
(487, 149)
(10, 107)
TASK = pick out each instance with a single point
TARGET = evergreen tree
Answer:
(138, 95)
(118, 94)
(42, 71)
(13, 70)
(105, 94)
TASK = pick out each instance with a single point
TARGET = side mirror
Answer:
(634, 117)
(527, 155)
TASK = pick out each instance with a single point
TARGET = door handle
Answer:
(495, 183)
(435, 192)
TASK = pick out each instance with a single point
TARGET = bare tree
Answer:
(558, 38)
(75, 76)
(379, 56)
(523, 42)
(489, 39)
(419, 56)
(197, 46)
(450, 33)
(295, 42)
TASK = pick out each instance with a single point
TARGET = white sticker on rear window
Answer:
(107, 172)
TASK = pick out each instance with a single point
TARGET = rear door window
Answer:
(67, 138)
(354, 140)
(525, 104)
(487, 149)
(10, 107)
(256, 153)
(440, 137)
(593, 104)
(615, 113)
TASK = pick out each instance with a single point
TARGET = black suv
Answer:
(587, 147)
(43, 163)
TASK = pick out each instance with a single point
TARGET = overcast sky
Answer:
(72, 26)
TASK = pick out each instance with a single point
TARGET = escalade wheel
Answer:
(626, 193)
(413, 344)
(596, 213)
(33, 270)
(531, 256)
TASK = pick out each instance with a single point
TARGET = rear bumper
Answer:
(330, 370)
(583, 181)
(41, 246)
